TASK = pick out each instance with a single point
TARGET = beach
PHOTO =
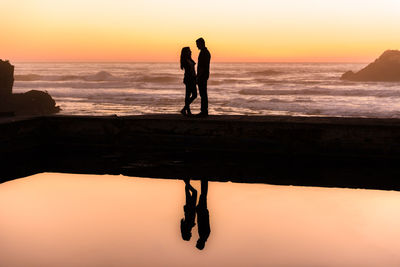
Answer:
(288, 89)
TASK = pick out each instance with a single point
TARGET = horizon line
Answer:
(177, 62)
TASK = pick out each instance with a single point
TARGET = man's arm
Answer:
(203, 65)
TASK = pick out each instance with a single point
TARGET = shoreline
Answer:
(309, 151)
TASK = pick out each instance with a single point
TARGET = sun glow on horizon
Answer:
(236, 30)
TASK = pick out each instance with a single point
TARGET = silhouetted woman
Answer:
(189, 79)
(187, 223)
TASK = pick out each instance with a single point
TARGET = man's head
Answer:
(200, 43)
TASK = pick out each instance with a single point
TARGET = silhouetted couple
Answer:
(190, 209)
(191, 79)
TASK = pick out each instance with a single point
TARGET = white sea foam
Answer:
(99, 76)
(324, 92)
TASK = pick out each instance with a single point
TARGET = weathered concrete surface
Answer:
(341, 152)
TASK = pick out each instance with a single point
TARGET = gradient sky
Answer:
(235, 30)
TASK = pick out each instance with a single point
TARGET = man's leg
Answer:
(204, 96)
(203, 194)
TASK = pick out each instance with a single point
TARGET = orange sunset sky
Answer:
(235, 30)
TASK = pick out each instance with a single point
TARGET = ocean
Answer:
(294, 89)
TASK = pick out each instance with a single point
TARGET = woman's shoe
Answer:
(183, 111)
(188, 112)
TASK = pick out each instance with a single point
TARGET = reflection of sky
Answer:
(84, 220)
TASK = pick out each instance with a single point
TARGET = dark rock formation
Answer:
(385, 69)
(33, 103)
(6, 79)
(30, 103)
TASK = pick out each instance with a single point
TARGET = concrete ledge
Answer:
(344, 152)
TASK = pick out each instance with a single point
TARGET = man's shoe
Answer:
(202, 114)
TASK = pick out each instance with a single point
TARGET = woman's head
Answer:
(186, 54)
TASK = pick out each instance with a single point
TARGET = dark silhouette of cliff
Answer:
(384, 69)
(33, 102)
(6, 79)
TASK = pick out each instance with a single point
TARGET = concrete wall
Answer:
(279, 150)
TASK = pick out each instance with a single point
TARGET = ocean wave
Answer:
(277, 100)
(267, 72)
(28, 77)
(99, 76)
(268, 81)
(157, 79)
(58, 85)
(316, 91)
(229, 81)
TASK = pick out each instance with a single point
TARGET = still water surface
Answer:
(53, 219)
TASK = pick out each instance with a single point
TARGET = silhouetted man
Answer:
(203, 73)
(187, 223)
(203, 216)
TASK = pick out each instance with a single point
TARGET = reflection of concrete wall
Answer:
(221, 146)
(6, 79)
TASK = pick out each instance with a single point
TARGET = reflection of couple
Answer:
(191, 79)
(190, 209)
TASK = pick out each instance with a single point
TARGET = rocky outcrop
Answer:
(30, 103)
(33, 102)
(6, 79)
(384, 69)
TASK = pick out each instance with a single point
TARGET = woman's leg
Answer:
(192, 92)
(187, 95)
(191, 193)
(186, 110)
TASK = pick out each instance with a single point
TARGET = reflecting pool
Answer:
(54, 219)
